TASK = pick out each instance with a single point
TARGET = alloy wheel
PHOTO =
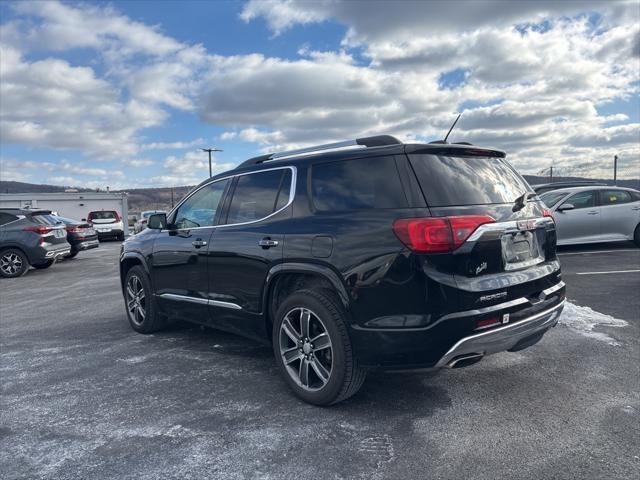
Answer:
(10, 263)
(305, 348)
(136, 300)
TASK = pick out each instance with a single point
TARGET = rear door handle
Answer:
(199, 243)
(635, 208)
(268, 243)
(592, 213)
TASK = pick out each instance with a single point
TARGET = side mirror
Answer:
(566, 206)
(157, 221)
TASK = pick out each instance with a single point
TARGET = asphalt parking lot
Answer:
(83, 396)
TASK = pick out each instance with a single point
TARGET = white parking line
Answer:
(599, 251)
(612, 271)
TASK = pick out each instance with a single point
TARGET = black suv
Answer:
(361, 255)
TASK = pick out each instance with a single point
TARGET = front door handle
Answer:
(635, 208)
(592, 213)
(268, 243)
(199, 243)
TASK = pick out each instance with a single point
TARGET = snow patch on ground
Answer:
(584, 320)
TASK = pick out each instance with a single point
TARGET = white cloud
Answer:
(172, 145)
(189, 169)
(138, 162)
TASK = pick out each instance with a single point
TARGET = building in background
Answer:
(75, 205)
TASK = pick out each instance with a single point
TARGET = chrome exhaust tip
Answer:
(465, 360)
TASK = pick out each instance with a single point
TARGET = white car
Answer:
(106, 223)
(595, 214)
(141, 224)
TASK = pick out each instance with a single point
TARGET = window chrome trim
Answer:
(201, 301)
(292, 194)
(505, 227)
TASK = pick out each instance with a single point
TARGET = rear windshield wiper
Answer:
(521, 201)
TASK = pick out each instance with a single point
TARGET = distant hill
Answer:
(21, 187)
(536, 180)
(141, 199)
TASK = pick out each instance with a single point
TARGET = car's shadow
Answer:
(398, 392)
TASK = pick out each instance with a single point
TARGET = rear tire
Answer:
(72, 254)
(139, 302)
(120, 237)
(636, 236)
(42, 266)
(13, 263)
(320, 366)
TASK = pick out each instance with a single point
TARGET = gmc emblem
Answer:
(526, 224)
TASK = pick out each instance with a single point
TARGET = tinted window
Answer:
(105, 215)
(551, 198)
(258, 194)
(635, 196)
(582, 200)
(363, 183)
(200, 209)
(614, 197)
(466, 180)
(6, 218)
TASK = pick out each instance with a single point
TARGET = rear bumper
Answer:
(523, 322)
(85, 245)
(502, 338)
(110, 233)
(57, 254)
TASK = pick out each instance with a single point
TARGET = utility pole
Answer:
(209, 150)
(551, 174)
(171, 197)
(615, 169)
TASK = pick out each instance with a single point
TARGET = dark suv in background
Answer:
(30, 237)
(361, 255)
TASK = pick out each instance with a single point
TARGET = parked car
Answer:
(141, 224)
(548, 187)
(107, 223)
(80, 235)
(379, 256)
(595, 214)
(29, 237)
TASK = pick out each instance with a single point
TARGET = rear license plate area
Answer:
(520, 250)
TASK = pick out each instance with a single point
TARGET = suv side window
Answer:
(614, 197)
(582, 200)
(359, 184)
(6, 218)
(200, 209)
(258, 195)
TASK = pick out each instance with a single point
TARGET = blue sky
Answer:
(124, 94)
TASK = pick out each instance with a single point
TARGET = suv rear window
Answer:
(359, 184)
(448, 181)
(45, 219)
(103, 215)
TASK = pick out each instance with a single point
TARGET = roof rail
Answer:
(368, 142)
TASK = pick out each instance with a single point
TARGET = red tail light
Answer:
(39, 229)
(437, 234)
(548, 213)
(74, 229)
(118, 217)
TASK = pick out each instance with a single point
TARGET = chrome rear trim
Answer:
(503, 338)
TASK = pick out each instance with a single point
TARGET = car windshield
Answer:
(550, 199)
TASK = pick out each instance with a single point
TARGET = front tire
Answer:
(140, 303)
(313, 349)
(636, 236)
(13, 263)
